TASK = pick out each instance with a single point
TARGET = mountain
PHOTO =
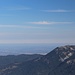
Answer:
(60, 61)
(5, 60)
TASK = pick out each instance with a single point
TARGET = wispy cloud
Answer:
(59, 11)
(36, 41)
(40, 22)
(17, 26)
(18, 8)
(6, 15)
(50, 23)
(15, 8)
(24, 41)
(20, 38)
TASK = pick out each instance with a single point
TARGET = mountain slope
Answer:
(5, 60)
(60, 61)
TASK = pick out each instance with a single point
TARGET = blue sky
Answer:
(37, 21)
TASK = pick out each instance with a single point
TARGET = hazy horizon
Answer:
(17, 49)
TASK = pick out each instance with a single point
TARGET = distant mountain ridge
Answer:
(60, 61)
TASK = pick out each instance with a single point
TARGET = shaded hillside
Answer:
(60, 61)
(5, 60)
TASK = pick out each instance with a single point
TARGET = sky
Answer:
(37, 21)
